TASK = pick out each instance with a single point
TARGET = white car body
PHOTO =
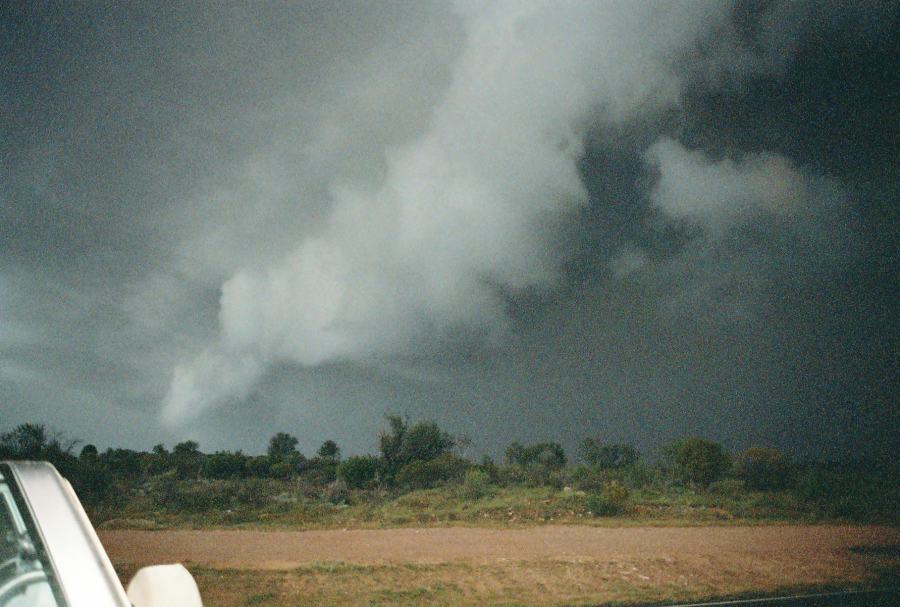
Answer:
(53, 557)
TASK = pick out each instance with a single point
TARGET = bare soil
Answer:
(545, 565)
(290, 549)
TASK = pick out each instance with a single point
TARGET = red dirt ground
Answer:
(289, 549)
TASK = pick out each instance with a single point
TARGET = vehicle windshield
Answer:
(26, 576)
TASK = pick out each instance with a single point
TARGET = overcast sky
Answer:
(526, 221)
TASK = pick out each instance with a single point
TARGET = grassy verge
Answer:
(283, 504)
(538, 583)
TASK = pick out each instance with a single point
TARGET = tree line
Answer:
(419, 455)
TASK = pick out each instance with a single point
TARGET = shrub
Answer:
(252, 493)
(329, 451)
(187, 459)
(548, 455)
(94, 484)
(612, 500)
(320, 471)
(477, 484)
(866, 490)
(122, 463)
(282, 446)
(511, 475)
(360, 471)
(490, 468)
(609, 456)
(728, 487)
(639, 475)
(423, 474)
(762, 469)
(192, 497)
(157, 461)
(697, 460)
(591, 479)
(405, 444)
(283, 470)
(259, 466)
(224, 464)
(337, 492)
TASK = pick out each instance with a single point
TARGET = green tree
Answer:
(26, 441)
(424, 441)
(360, 471)
(422, 474)
(187, 459)
(225, 464)
(157, 461)
(404, 443)
(282, 446)
(763, 468)
(329, 451)
(390, 441)
(123, 463)
(697, 460)
(547, 455)
(34, 442)
(607, 456)
(259, 466)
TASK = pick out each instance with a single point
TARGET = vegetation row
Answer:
(606, 480)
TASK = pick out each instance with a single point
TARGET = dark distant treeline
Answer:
(420, 455)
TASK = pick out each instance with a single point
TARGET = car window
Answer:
(26, 575)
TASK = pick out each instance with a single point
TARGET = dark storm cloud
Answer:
(716, 206)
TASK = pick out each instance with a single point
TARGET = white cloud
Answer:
(463, 210)
(718, 194)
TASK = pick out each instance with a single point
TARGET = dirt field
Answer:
(540, 566)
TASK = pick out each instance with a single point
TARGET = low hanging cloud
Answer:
(466, 212)
(719, 194)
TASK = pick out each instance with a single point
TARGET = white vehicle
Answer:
(50, 555)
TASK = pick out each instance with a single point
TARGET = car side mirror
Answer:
(164, 586)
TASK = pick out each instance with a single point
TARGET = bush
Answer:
(728, 487)
(639, 475)
(612, 500)
(360, 471)
(763, 469)
(602, 456)
(405, 444)
(282, 446)
(122, 463)
(186, 458)
(490, 468)
(283, 470)
(224, 464)
(477, 484)
(865, 490)
(425, 474)
(511, 475)
(547, 455)
(697, 461)
(337, 492)
(320, 471)
(253, 493)
(259, 466)
(592, 479)
(197, 497)
(94, 484)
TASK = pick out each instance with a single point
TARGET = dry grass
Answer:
(616, 579)
(503, 507)
(538, 583)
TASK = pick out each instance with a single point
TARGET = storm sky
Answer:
(524, 220)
